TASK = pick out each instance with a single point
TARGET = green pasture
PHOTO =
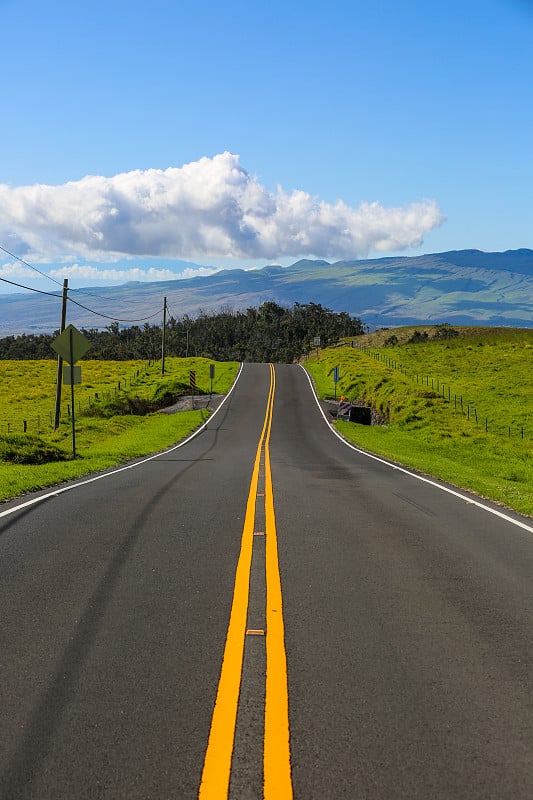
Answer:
(103, 439)
(457, 409)
(27, 388)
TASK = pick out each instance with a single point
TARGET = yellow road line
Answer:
(276, 758)
(217, 764)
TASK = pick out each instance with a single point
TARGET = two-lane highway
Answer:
(264, 611)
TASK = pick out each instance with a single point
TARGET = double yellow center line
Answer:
(276, 754)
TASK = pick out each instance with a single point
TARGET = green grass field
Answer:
(27, 393)
(458, 409)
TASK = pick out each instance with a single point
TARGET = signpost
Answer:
(71, 345)
(335, 379)
(211, 375)
(316, 342)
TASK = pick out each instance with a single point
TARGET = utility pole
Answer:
(71, 350)
(163, 337)
(59, 379)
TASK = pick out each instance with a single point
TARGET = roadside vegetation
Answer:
(268, 333)
(117, 416)
(454, 403)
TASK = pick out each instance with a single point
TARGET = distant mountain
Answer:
(465, 287)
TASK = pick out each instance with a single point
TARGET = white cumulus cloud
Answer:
(86, 272)
(208, 208)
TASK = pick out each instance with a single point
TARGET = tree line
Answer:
(268, 333)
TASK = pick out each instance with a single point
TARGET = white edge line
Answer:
(99, 477)
(464, 497)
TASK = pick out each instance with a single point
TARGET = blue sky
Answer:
(349, 129)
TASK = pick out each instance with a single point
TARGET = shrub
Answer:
(123, 406)
(445, 332)
(25, 449)
(418, 338)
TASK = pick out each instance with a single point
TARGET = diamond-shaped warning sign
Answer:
(71, 345)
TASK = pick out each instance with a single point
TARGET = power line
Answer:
(174, 316)
(29, 288)
(101, 297)
(45, 275)
(114, 319)
(27, 264)
(51, 294)
(91, 310)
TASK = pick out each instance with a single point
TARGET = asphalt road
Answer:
(148, 618)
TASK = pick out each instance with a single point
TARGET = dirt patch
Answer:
(196, 402)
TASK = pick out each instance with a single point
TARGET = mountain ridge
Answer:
(466, 287)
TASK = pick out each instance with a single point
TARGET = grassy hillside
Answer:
(40, 456)
(457, 408)
(404, 333)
